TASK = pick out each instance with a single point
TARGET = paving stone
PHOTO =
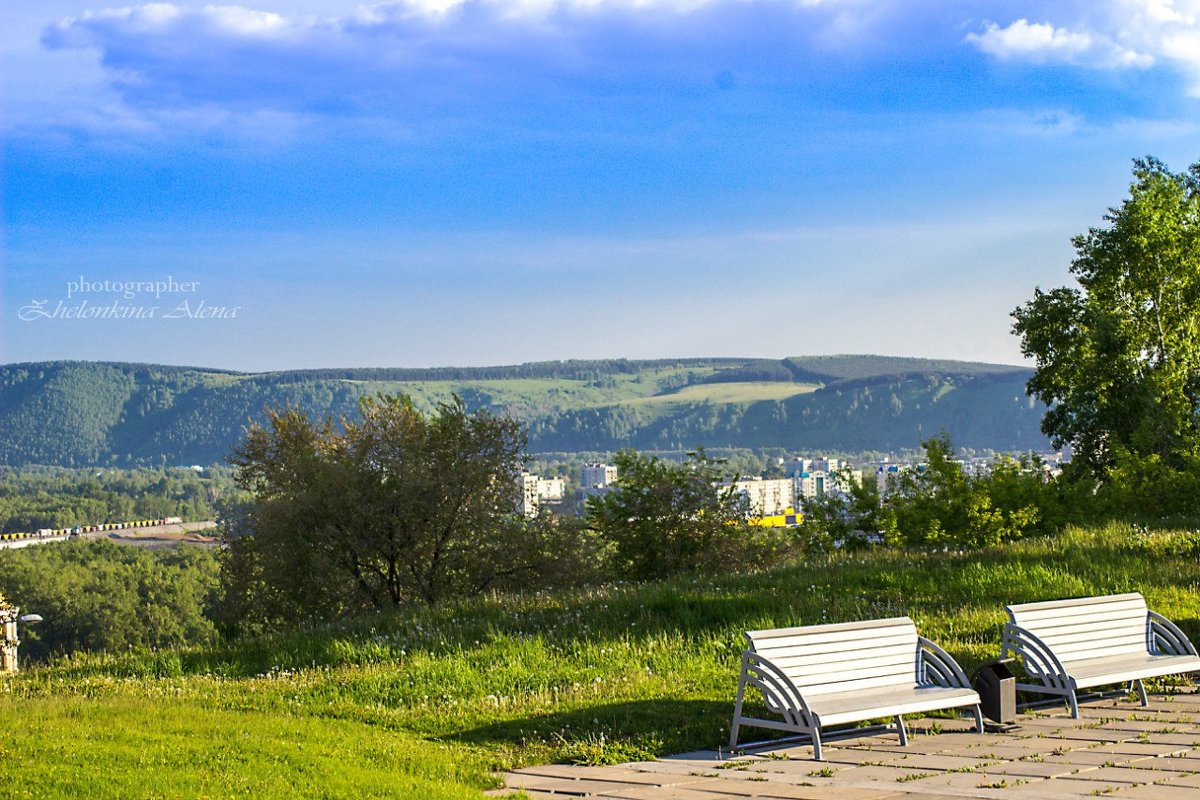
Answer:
(1110, 775)
(1138, 749)
(1192, 781)
(1091, 735)
(880, 773)
(564, 785)
(1155, 792)
(1170, 763)
(1088, 758)
(934, 744)
(940, 762)
(1028, 769)
(1181, 739)
(1016, 750)
(620, 774)
(668, 793)
(859, 757)
(808, 770)
(961, 784)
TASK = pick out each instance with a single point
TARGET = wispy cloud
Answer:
(424, 50)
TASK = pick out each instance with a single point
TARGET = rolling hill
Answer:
(99, 413)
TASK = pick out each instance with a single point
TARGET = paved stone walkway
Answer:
(1117, 749)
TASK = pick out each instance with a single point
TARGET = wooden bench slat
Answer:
(1125, 618)
(832, 627)
(1086, 643)
(822, 650)
(830, 662)
(836, 709)
(1104, 671)
(1090, 602)
(829, 634)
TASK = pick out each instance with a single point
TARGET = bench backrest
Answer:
(1087, 627)
(846, 657)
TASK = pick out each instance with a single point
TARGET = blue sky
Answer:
(497, 181)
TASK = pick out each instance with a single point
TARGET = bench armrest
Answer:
(778, 691)
(1039, 660)
(1166, 637)
(939, 667)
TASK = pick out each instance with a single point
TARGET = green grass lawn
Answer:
(431, 702)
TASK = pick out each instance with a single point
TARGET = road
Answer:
(152, 536)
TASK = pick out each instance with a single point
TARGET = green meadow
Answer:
(434, 702)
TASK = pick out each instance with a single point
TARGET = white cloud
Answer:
(1112, 34)
(1042, 43)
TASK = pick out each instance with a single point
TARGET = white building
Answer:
(528, 503)
(551, 490)
(597, 476)
(596, 479)
(816, 483)
(767, 497)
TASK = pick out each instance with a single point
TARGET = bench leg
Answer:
(900, 729)
(1141, 691)
(816, 740)
(737, 711)
(978, 719)
(1073, 704)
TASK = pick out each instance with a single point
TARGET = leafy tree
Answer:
(842, 518)
(1118, 358)
(664, 518)
(942, 504)
(394, 508)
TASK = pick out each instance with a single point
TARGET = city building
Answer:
(767, 497)
(597, 476)
(551, 490)
(528, 502)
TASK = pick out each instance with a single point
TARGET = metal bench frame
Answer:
(1069, 645)
(846, 673)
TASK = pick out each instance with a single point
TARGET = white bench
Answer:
(1068, 645)
(824, 675)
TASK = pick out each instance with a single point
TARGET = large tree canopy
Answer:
(397, 507)
(1118, 358)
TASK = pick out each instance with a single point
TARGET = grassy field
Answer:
(739, 392)
(432, 702)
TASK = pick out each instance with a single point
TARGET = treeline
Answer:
(50, 497)
(574, 370)
(96, 595)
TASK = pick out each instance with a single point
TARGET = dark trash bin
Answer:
(997, 688)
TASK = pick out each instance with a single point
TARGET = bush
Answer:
(664, 518)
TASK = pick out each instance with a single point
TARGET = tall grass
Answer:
(597, 675)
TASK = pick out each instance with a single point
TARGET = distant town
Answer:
(768, 501)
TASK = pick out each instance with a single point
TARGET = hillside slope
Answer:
(87, 413)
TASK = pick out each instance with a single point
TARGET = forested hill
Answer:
(87, 413)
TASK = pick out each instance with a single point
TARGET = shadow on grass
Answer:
(613, 732)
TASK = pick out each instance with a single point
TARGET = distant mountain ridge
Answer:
(77, 413)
